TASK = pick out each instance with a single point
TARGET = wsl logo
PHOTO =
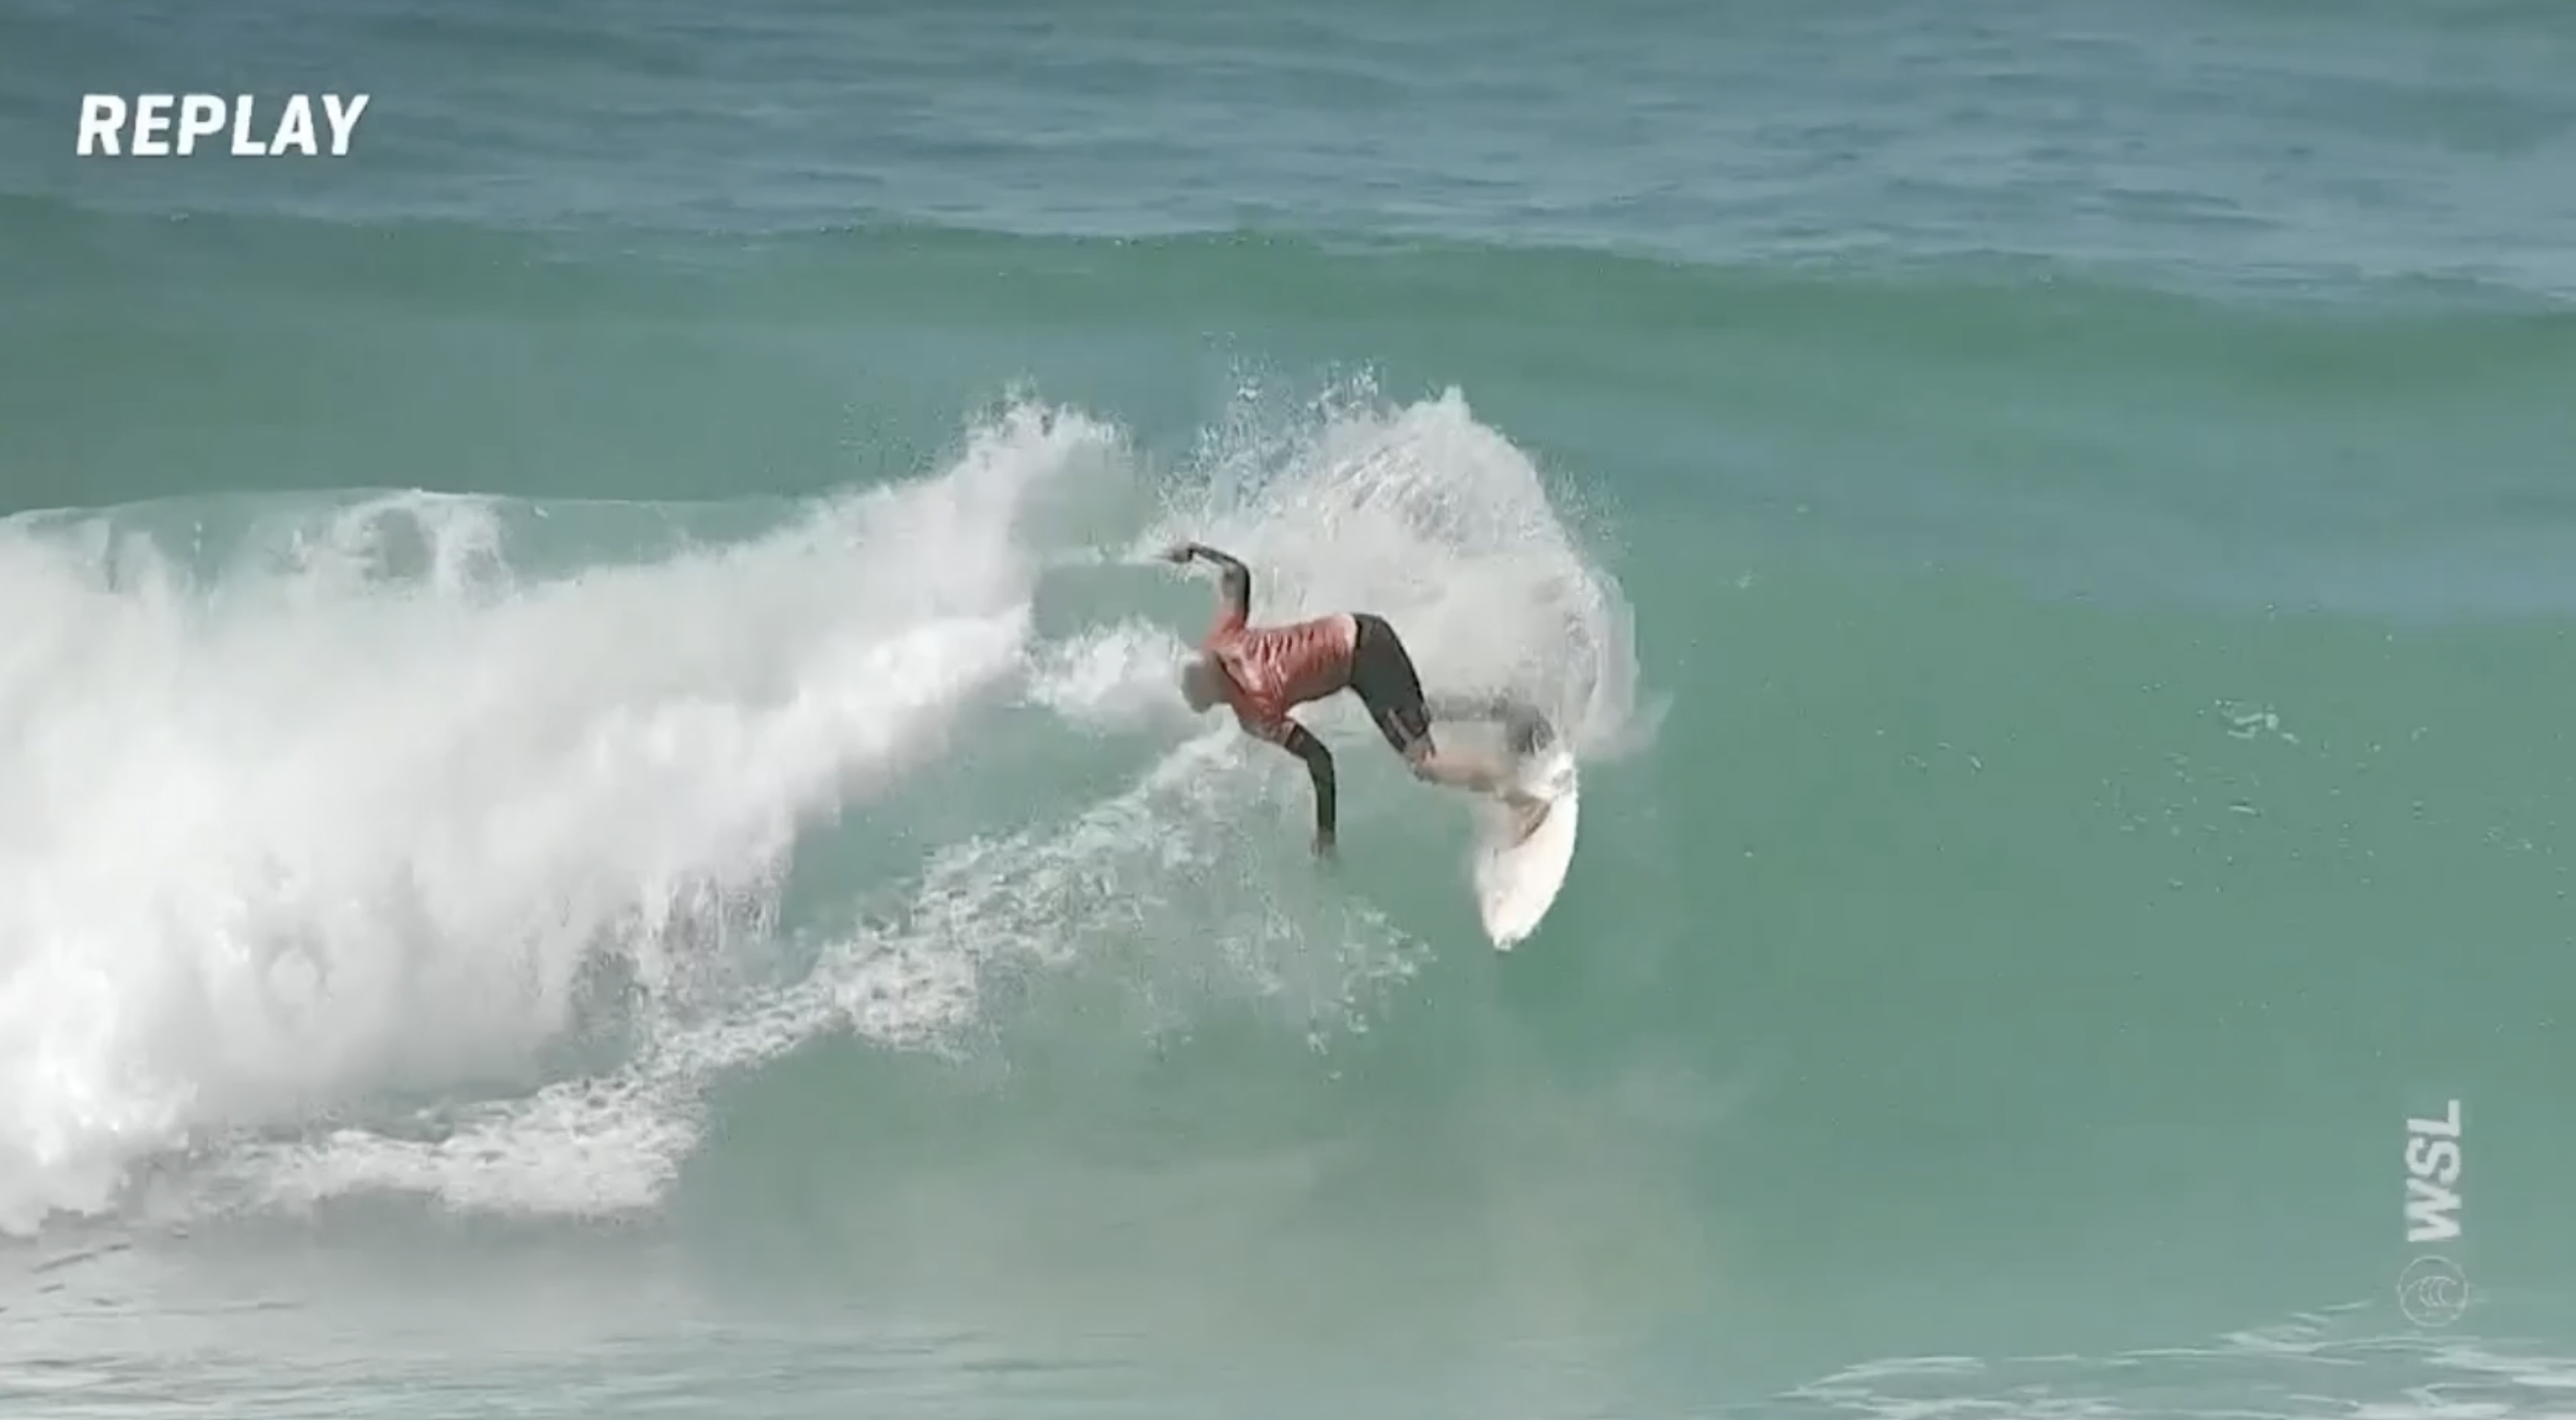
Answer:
(2433, 1291)
(168, 125)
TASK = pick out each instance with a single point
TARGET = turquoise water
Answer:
(592, 817)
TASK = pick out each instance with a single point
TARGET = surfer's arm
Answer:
(1234, 584)
(1301, 742)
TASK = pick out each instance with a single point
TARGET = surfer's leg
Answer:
(1383, 677)
(1525, 727)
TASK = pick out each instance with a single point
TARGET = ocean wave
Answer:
(368, 805)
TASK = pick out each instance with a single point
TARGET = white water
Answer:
(284, 842)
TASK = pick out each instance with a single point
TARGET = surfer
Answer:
(1264, 672)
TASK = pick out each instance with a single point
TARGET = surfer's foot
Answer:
(1527, 732)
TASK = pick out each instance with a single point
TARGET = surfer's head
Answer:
(1199, 684)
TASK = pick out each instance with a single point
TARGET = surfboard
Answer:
(1516, 883)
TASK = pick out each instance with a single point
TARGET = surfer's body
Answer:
(1263, 673)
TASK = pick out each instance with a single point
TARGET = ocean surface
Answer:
(594, 818)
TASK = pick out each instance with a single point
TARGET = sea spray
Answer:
(292, 834)
(330, 829)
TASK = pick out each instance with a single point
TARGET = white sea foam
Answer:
(287, 842)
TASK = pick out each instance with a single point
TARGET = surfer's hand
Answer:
(1324, 849)
(1180, 552)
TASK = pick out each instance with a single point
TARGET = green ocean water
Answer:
(593, 818)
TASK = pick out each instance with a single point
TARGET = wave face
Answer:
(834, 889)
(394, 798)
